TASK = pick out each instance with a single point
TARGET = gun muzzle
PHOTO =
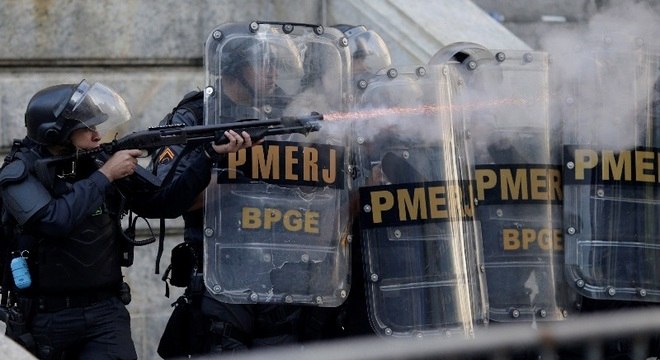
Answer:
(307, 121)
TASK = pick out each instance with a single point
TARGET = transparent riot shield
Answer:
(420, 242)
(504, 97)
(276, 214)
(609, 97)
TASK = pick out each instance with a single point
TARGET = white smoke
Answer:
(603, 76)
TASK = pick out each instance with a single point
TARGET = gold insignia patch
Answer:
(166, 156)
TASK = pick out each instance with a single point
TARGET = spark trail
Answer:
(427, 110)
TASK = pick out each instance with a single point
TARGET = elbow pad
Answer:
(23, 195)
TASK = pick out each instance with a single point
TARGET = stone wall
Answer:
(149, 51)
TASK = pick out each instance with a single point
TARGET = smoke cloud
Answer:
(603, 76)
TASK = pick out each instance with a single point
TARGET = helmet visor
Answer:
(97, 106)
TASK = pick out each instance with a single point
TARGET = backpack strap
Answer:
(7, 222)
(193, 102)
(161, 242)
(15, 148)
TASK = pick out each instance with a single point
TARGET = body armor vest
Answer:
(87, 258)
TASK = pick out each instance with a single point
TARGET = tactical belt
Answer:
(226, 330)
(223, 329)
(56, 303)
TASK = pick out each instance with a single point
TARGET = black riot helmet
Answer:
(55, 112)
(367, 48)
(467, 53)
(472, 57)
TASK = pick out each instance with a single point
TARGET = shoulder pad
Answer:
(13, 172)
(191, 96)
(193, 102)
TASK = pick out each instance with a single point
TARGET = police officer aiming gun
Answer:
(66, 222)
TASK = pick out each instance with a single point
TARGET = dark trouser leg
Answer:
(99, 331)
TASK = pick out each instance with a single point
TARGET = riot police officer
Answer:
(255, 74)
(57, 229)
(218, 326)
(66, 216)
(369, 55)
(75, 267)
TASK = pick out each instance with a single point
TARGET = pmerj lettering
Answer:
(519, 183)
(639, 166)
(286, 163)
(403, 204)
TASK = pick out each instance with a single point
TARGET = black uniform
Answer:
(70, 229)
(232, 326)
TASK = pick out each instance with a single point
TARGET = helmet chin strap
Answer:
(64, 148)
